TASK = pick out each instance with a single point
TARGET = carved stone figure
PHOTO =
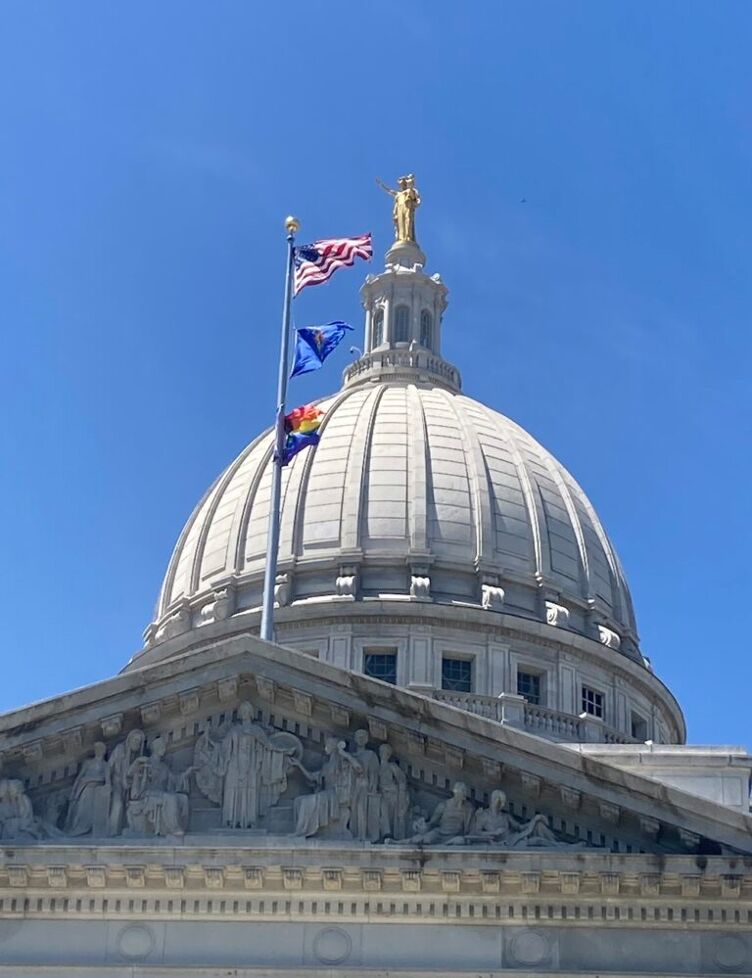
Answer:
(17, 819)
(495, 825)
(282, 590)
(365, 817)
(406, 202)
(330, 806)
(395, 799)
(451, 819)
(157, 797)
(492, 597)
(89, 804)
(121, 759)
(247, 772)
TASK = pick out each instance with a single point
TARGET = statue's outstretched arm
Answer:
(380, 183)
(313, 776)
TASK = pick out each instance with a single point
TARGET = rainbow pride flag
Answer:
(301, 430)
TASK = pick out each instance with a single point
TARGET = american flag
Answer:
(317, 262)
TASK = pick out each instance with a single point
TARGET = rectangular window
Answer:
(529, 686)
(381, 665)
(639, 727)
(457, 675)
(592, 702)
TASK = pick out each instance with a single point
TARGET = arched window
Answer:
(426, 329)
(401, 324)
(377, 330)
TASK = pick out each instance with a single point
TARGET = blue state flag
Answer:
(314, 345)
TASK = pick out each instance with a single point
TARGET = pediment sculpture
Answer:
(89, 803)
(246, 772)
(457, 822)
(17, 818)
(157, 799)
(362, 794)
(261, 780)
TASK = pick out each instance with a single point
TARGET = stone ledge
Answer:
(636, 880)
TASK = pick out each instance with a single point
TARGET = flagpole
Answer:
(272, 543)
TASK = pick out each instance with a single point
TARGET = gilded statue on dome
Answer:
(406, 202)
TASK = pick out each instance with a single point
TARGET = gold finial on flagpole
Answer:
(292, 224)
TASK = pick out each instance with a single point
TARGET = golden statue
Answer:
(406, 202)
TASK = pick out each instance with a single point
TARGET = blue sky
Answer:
(148, 154)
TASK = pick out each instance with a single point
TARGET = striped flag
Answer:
(317, 262)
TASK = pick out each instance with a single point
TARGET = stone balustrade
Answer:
(396, 360)
(539, 720)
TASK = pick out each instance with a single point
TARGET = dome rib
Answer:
(165, 595)
(621, 602)
(308, 462)
(293, 479)
(304, 464)
(224, 482)
(250, 498)
(419, 469)
(535, 518)
(406, 473)
(574, 521)
(480, 487)
(357, 463)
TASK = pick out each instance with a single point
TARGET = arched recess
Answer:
(426, 329)
(402, 324)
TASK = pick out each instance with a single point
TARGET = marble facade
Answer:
(248, 782)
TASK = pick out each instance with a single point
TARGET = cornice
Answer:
(190, 883)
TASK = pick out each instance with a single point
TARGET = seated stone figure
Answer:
(17, 820)
(450, 821)
(329, 807)
(157, 798)
(495, 825)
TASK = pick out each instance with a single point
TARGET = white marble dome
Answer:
(412, 479)
(427, 537)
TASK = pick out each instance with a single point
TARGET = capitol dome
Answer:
(427, 526)
(412, 479)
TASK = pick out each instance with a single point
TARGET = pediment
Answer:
(247, 743)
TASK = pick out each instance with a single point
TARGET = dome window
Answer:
(639, 727)
(426, 329)
(529, 686)
(381, 665)
(592, 702)
(457, 675)
(377, 331)
(402, 324)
